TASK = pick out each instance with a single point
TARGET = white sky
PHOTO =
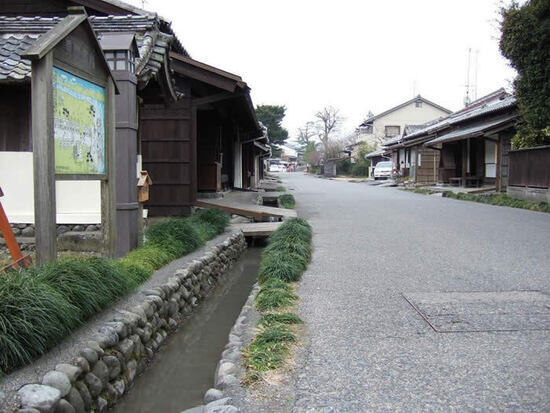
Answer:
(357, 55)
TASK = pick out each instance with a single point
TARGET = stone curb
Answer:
(123, 347)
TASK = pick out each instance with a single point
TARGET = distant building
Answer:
(377, 129)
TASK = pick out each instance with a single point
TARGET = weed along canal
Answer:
(184, 367)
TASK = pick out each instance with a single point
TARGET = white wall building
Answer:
(390, 123)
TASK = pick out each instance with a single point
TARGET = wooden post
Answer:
(43, 159)
(108, 194)
(497, 166)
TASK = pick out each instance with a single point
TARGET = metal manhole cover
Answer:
(455, 312)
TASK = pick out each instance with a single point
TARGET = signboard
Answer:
(79, 125)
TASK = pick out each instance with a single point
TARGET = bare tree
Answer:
(328, 120)
(305, 134)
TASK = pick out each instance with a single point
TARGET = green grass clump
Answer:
(275, 334)
(34, 317)
(269, 320)
(261, 358)
(41, 305)
(280, 188)
(500, 200)
(175, 230)
(283, 261)
(88, 284)
(218, 219)
(268, 351)
(287, 266)
(287, 201)
(274, 298)
(288, 253)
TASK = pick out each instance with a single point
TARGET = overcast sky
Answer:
(356, 55)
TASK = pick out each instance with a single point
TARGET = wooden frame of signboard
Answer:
(71, 46)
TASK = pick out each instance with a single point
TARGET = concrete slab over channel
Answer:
(456, 312)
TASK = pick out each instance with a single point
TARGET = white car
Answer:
(383, 170)
(276, 167)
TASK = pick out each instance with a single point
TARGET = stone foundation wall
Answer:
(122, 348)
(529, 194)
(25, 235)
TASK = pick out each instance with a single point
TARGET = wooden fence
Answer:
(530, 167)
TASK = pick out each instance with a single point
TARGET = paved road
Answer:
(367, 349)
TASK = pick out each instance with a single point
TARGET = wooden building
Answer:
(467, 148)
(191, 126)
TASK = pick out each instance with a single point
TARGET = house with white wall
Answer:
(377, 129)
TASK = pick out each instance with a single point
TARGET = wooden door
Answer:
(168, 146)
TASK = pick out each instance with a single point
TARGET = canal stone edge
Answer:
(229, 369)
(122, 348)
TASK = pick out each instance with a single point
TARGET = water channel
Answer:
(184, 367)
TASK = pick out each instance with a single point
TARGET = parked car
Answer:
(276, 167)
(383, 170)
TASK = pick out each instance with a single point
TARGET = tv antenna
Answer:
(471, 88)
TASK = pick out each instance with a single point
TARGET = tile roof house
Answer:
(195, 129)
(469, 146)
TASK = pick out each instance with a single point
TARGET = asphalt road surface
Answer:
(420, 303)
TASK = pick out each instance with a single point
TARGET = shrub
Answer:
(287, 201)
(343, 167)
(360, 169)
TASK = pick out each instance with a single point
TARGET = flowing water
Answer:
(183, 369)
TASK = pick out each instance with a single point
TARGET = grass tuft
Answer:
(500, 200)
(283, 260)
(270, 298)
(34, 317)
(287, 201)
(269, 320)
(41, 305)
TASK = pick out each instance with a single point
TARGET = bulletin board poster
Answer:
(79, 125)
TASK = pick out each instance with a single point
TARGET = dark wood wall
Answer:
(15, 118)
(168, 147)
(209, 147)
(425, 171)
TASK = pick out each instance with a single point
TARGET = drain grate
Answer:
(458, 312)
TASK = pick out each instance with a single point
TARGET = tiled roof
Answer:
(12, 67)
(494, 102)
(402, 105)
(153, 45)
(18, 33)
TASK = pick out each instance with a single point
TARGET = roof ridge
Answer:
(401, 105)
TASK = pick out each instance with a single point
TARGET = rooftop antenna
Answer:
(467, 99)
(474, 86)
(414, 88)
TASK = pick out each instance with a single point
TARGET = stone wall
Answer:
(529, 194)
(106, 367)
(66, 236)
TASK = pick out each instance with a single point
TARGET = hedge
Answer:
(41, 305)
